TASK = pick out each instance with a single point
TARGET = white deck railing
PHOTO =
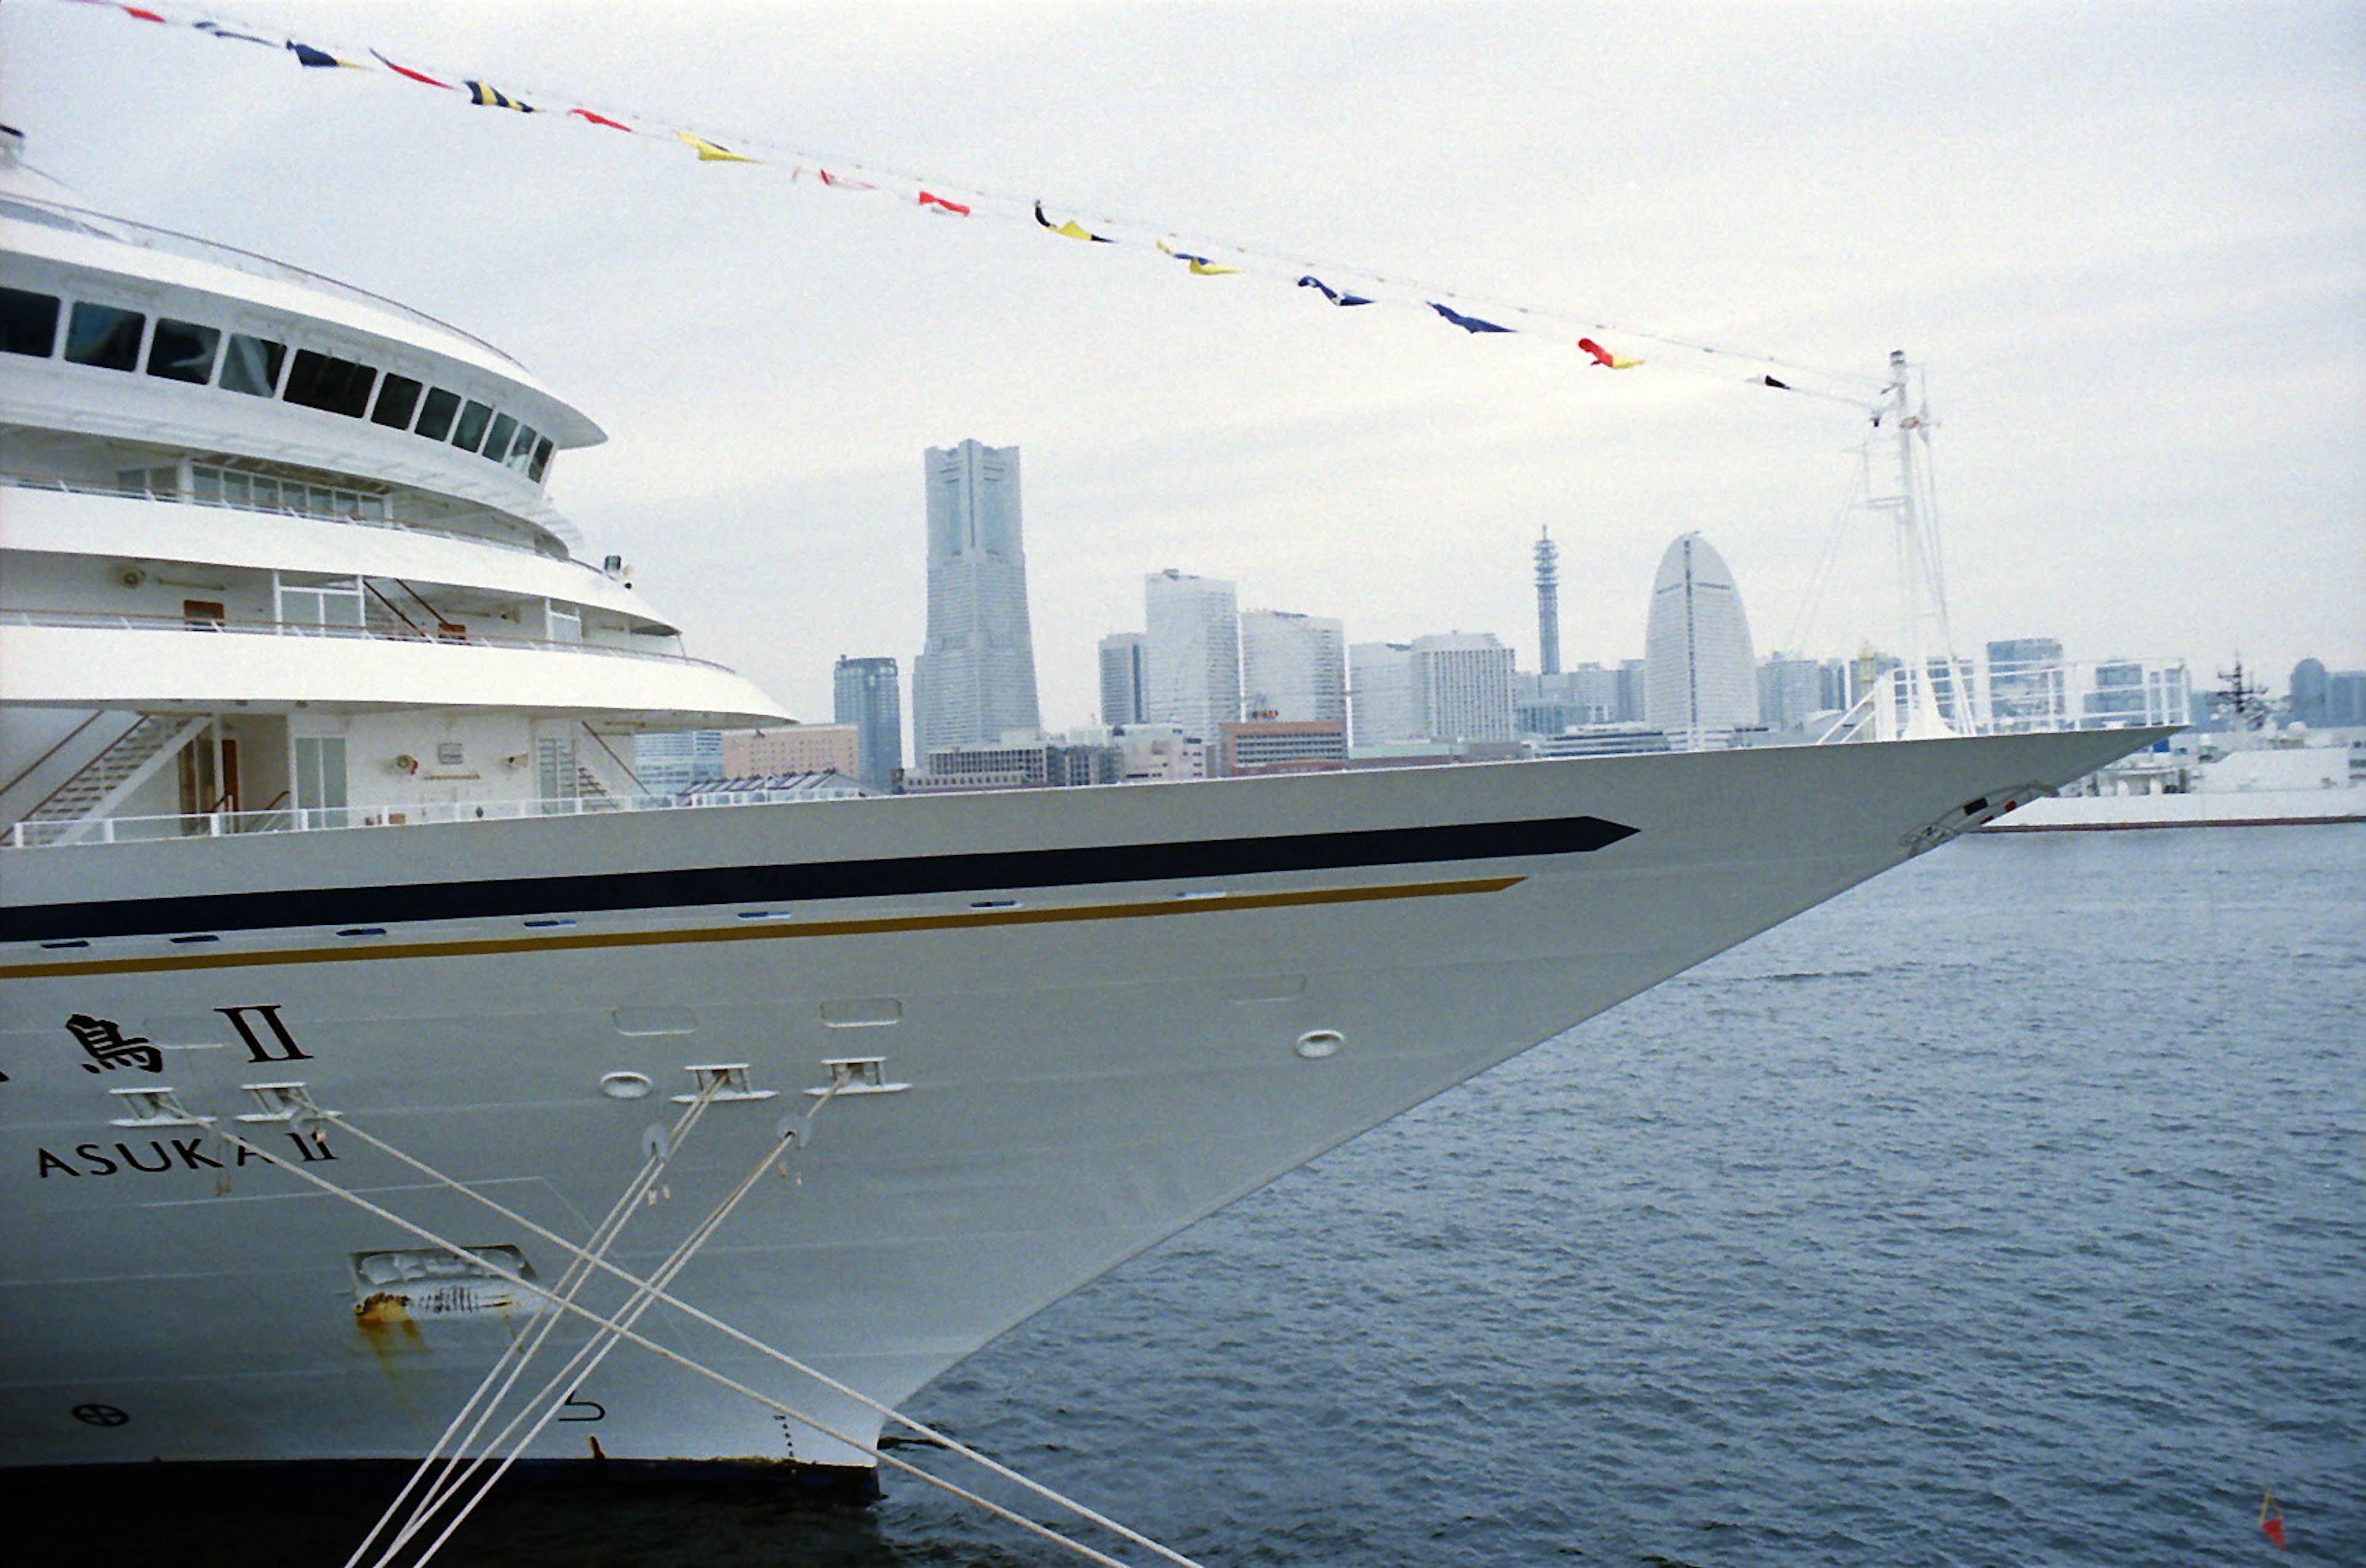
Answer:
(230, 824)
(135, 492)
(108, 622)
(1976, 696)
(76, 219)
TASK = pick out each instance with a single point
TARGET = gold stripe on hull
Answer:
(870, 927)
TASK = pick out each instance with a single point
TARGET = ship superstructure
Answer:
(309, 760)
(279, 553)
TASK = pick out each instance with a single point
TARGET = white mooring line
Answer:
(309, 1118)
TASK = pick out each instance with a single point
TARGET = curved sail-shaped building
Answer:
(1699, 678)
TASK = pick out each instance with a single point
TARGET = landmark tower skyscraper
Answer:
(975, 682)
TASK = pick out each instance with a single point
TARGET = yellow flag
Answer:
(708, 152)
(1200, 265)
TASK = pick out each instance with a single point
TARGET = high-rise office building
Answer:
(863, 693)
(2028, 684)
(1122, 695)
(1293, 667)
(2309, 687)
(1699, 678)
(975, 682)
(667, 762)
(1548, 603)
(1461, 687)
(1790, 689)
(1379, 693)
(2344, 699)
(1191, 652)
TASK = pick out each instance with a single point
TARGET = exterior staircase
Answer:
(114, 773)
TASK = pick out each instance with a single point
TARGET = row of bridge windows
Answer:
(111, 337)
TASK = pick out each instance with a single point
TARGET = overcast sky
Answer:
(2128, 243)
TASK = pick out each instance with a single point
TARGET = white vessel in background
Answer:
(314, 796)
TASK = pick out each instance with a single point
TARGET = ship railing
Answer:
(313, 820)
(135, 492)
(75, 219)
(470, 639)
(2011, 697)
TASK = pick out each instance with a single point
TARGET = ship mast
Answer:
(1921, 580)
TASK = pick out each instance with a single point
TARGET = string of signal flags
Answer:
(1346, 288)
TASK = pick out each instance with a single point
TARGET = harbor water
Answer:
(2009, 1210)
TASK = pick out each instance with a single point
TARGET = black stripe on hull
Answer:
(991, 872)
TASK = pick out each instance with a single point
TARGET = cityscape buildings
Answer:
(1699, 677)
(1160, 753)
(1548, 603)
(865, 694)
(975, 682)
(796, 748)
(1191, 652)
(1293, 667)
(2137, 690)
(1460, 687)
(669, 762)
(2028, 684)
(1283, 746)
(1379, 693)
(1123, 698)
(1790, 691)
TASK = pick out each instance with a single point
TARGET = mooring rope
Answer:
(516, 1358)
(741, 1336)
(595, 1350)
(725, 1380)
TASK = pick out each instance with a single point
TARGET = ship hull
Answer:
(1201, 987)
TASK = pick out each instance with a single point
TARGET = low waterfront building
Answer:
(1159, 753)
(793, 749)
(1250, 747)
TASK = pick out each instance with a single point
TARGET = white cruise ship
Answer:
(319, 841)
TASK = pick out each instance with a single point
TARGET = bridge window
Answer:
(29, 322)
(183, 351)
(398, 400)
(105, 335)
(541, 460)
(522, 450)
(252, 366)
(336, 386)
(469, 434)
(436, 413)
(497, 441)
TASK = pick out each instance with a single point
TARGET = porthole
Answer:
(625, 1085)
(1317, 1044)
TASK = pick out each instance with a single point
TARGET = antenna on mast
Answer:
(1931, 668)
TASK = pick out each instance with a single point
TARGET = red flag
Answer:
(143, 16)
(601, 120)
(2272, 1519)
(842, 183)
(1603, 357)
(927, 200)
(414, 75)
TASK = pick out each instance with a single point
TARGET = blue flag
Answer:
(1468, 323)
(1335, 296)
